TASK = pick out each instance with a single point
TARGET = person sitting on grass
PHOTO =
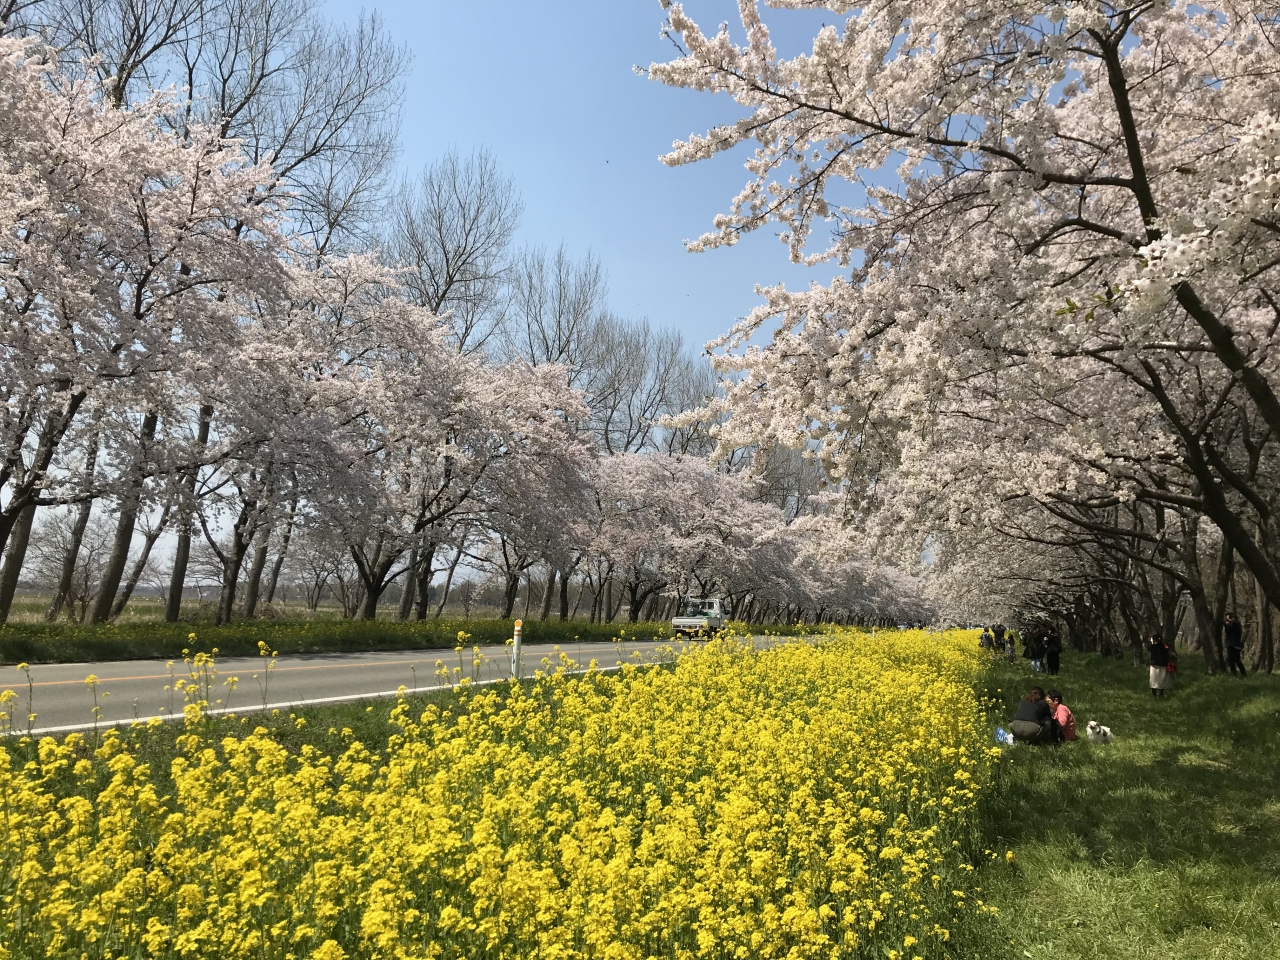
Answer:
(1034, 723)
(1062, 714)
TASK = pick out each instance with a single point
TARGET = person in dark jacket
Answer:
(1159, 656)
(1033, 723)
(1035, 652)
(1052, 652)
(1233, 632)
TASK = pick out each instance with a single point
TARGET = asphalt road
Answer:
(136, 689)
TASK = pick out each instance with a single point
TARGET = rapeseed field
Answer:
(804, 800)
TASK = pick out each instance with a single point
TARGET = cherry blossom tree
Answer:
(1057, 228)
(130, 256)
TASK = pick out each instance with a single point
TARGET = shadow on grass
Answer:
(1165, 843)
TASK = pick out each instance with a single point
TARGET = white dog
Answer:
(1097, 733)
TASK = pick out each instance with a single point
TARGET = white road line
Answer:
(355, 697)
(291, 704)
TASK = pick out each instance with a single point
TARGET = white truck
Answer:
(698, 616)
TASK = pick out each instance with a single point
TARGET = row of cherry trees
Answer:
(1049, 364)
(230, 343)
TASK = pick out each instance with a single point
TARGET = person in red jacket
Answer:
(1062, 713)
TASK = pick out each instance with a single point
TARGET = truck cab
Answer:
(698, 616)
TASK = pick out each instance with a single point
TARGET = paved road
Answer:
(130, 689)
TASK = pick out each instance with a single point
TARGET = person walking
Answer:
(1159, 660)
(1052, 652)
(1233, 631)
(1062, 713)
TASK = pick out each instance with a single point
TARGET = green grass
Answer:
(1164, 844)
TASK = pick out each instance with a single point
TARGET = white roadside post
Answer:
(515, 649)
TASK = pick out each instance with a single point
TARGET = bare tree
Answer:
(129, 43)
(692, 387)
(635, 381)
(50, 551)
(450, 230)
(555, 304)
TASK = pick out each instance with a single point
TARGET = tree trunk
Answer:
(85, 509)
(130, 502)
(425, 573)
(410, 587)
(139, 565)
(274, 580)
(564, 596)
(182, 551)
(548, 594)
(369, 608)
(254, 585)
(1195, 587)
(1263, 659)
(14, 555)
(23, 495)
(178, 575)
(1224, 575)
(231, 578)
(509, 596)
(373, 578)
(448, 581)
(66, 576)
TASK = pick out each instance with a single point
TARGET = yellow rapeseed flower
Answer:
(806, 800)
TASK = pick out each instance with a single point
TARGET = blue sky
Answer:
(549, 88)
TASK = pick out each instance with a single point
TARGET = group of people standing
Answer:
(1043, 647)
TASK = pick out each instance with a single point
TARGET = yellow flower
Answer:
(732, 800)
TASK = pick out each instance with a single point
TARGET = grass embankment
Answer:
(1164, 844)
(138, 640)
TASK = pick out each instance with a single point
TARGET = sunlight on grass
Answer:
(1163, 844)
